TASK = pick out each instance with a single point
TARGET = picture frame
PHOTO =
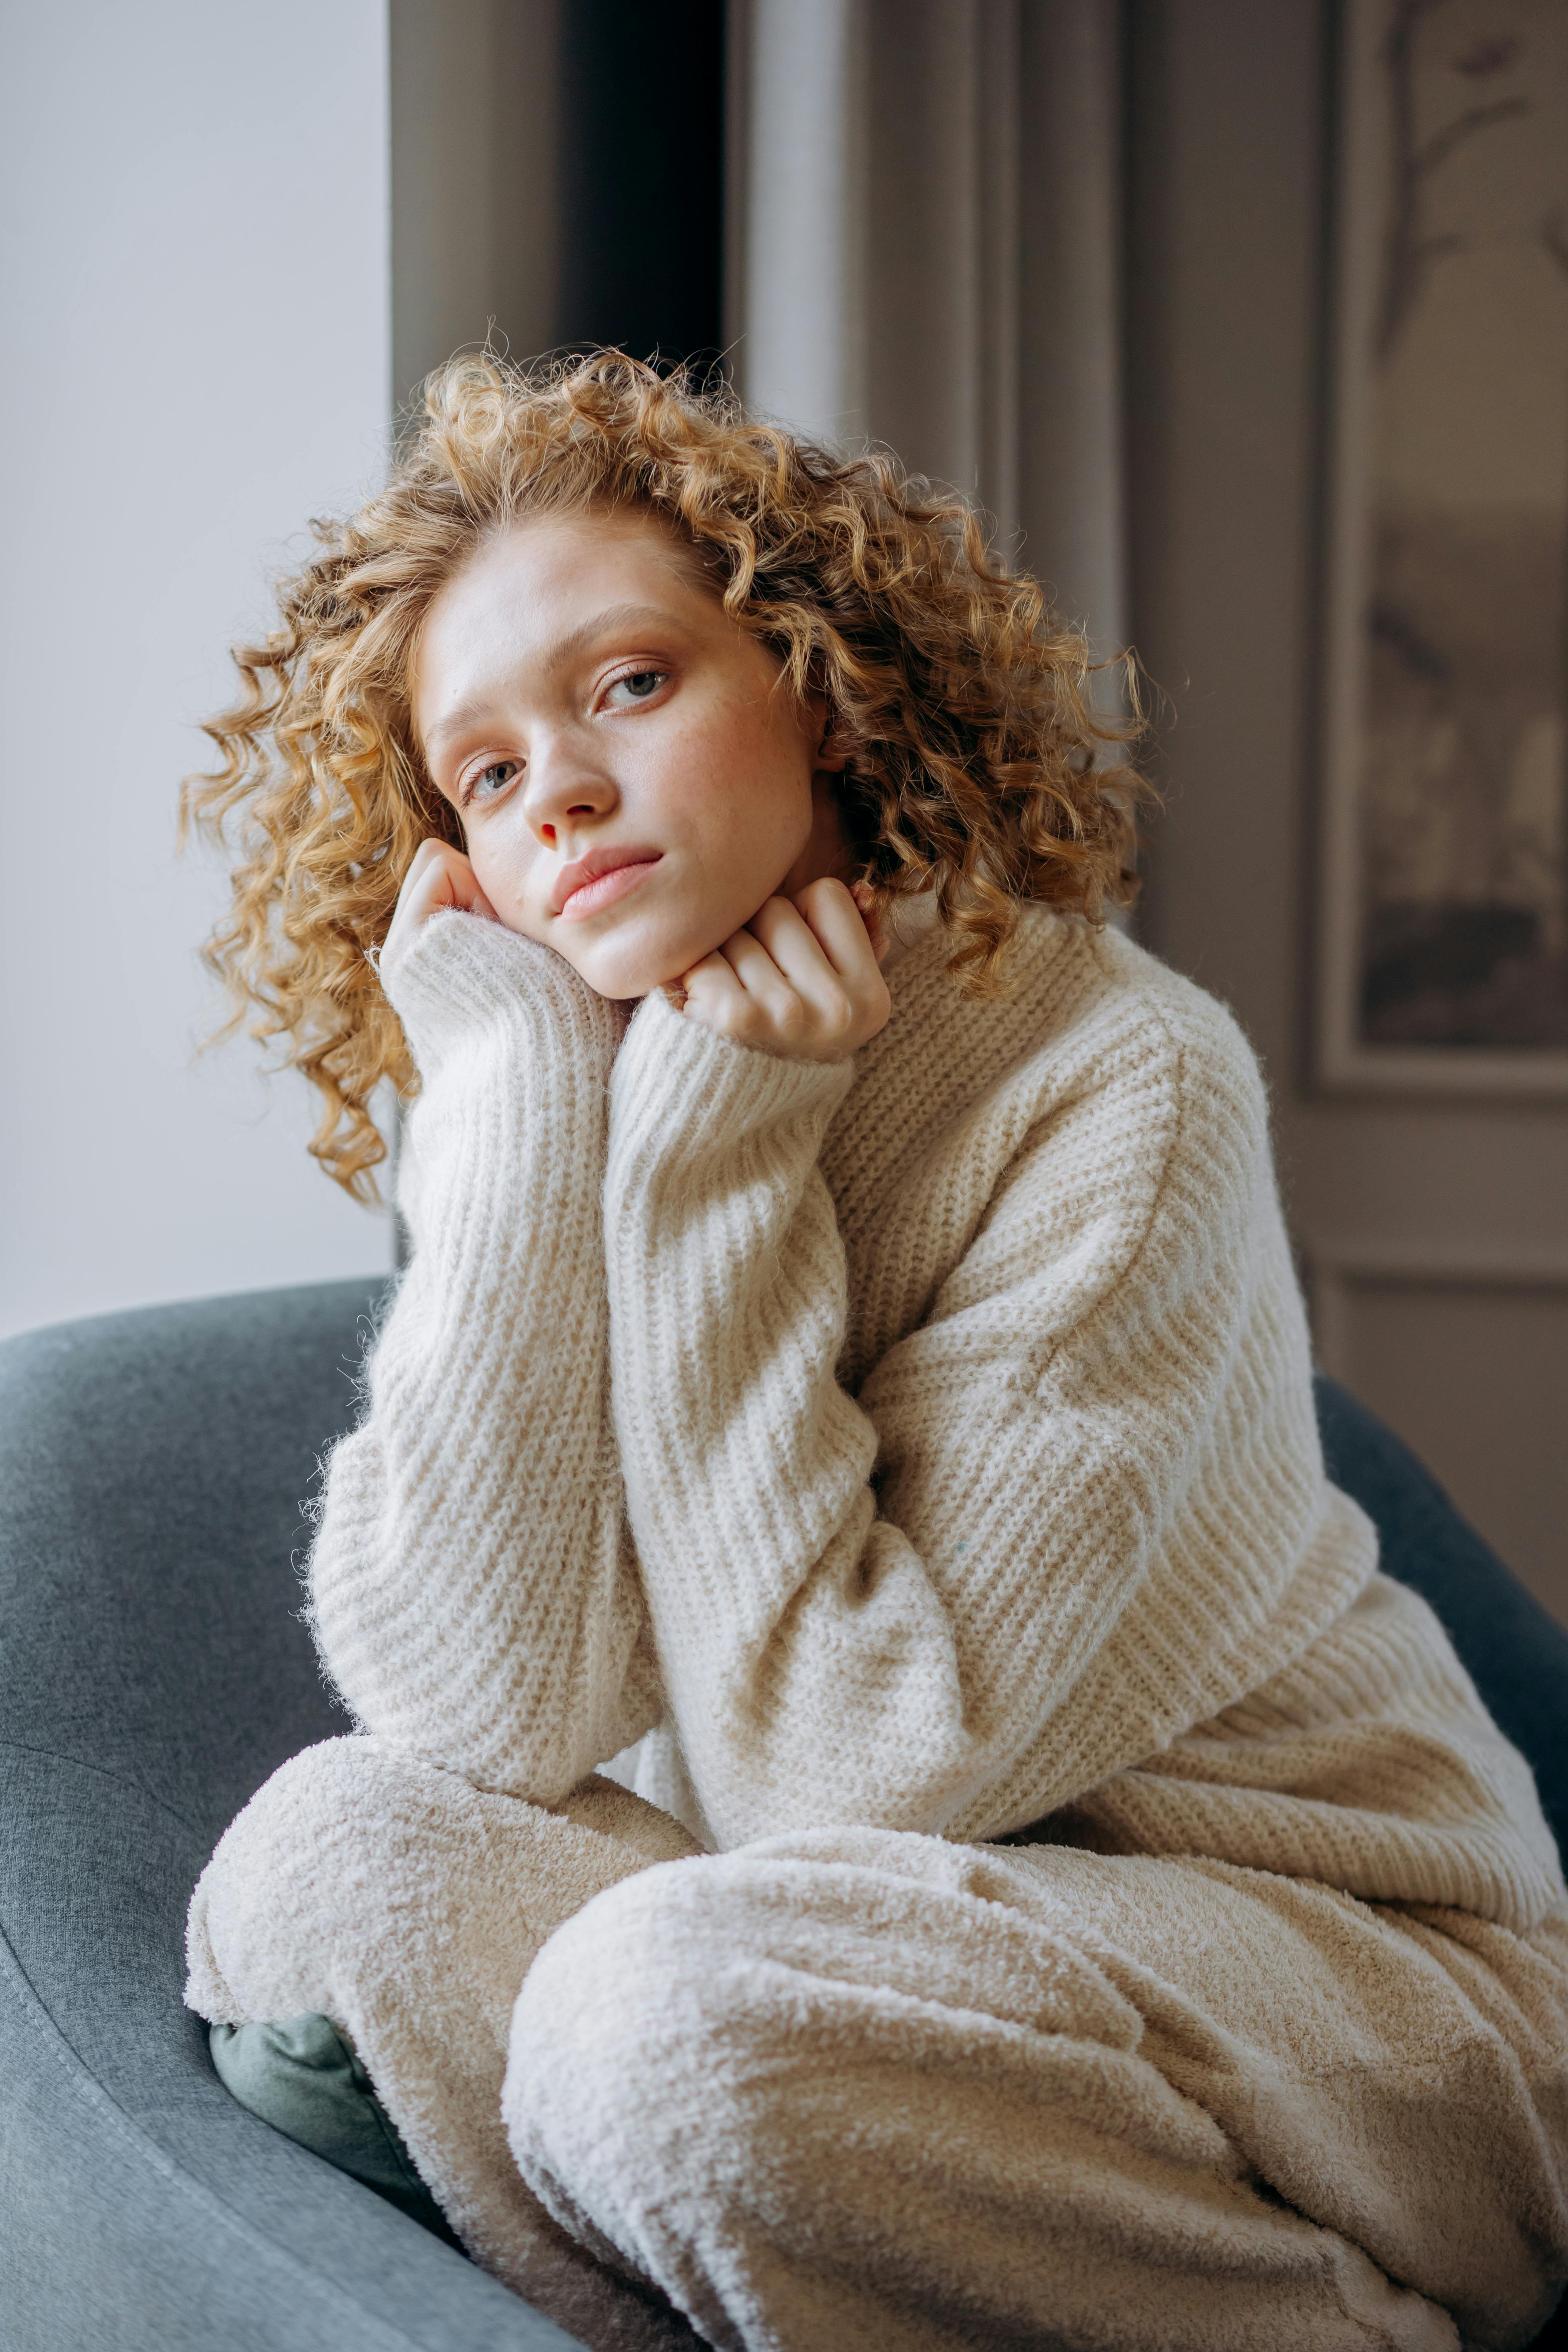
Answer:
(1442, 931)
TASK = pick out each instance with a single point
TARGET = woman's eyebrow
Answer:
(565, 649)
(478, 710)
(458, 721)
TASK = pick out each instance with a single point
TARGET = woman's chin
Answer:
(622, 973)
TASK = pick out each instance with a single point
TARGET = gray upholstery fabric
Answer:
(153, 1671)
(152, 1675)
(1517, 1654)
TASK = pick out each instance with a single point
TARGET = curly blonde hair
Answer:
(976, 763)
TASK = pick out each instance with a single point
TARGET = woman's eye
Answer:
(635, 687)
(493, 780)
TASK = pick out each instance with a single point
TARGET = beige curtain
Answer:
(924, 241)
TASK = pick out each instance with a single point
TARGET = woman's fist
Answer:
(803, 980)
(438, 875)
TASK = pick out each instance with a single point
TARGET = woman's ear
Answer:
(831, 754)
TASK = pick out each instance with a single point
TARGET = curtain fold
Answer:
(924, 232)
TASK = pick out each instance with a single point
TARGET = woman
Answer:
(851, 1352)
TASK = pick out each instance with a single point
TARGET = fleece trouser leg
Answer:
(406, 1906)
(878, 2090)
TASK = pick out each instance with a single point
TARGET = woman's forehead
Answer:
(570, 549)
(536, 595)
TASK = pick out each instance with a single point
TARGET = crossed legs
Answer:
(407, 1907)
(869, 2088)
(872, 2089)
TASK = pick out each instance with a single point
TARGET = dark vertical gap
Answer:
(1125, 128)
(642, 177)
(1310, 801)
(1145, 280)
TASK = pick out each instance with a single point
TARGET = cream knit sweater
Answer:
(925, 1443)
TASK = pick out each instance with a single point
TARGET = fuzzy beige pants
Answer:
(863, 2089)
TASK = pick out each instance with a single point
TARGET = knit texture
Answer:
(927, 1443)
(966, 1420)
(472, 1584)
(905, 1455)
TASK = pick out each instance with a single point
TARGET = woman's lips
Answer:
(604, 889)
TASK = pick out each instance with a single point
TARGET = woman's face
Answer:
(633, 779)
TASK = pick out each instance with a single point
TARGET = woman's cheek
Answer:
(503, 876)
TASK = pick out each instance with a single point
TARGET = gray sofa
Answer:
(154, 1670)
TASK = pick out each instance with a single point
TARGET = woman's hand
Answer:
(803, 980)
(438, 875)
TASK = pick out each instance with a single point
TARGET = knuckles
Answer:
(828, 1031)
(828, 1024)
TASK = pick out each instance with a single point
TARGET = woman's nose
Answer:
(563, 789)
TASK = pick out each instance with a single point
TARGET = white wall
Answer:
(194, 243)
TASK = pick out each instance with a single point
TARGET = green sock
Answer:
(304, 2077)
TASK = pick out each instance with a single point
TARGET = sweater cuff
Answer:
(685, 1086)
(463, 975)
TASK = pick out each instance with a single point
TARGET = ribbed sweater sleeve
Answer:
(888, 1608)
(472, 1585)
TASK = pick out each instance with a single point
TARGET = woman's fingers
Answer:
(817, 1000)
(876, 930)
(801, 980)
(841, 966)
(446, 879)
(836, 921)
(767, 968)
(713, 995)
(438, 875)
(782, 930)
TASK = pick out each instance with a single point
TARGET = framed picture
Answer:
(1443, 944)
